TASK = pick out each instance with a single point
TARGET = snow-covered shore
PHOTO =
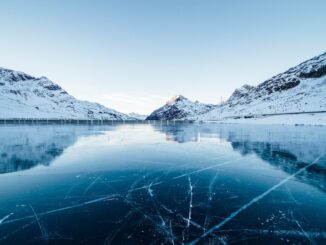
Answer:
(317, 119)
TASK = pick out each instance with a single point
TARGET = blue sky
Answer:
(132, 55)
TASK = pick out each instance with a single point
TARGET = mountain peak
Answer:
(26, 96)
(179, 107)
(175, 99)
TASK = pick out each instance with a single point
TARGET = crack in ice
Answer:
(190, 201)
(171, 233)
(6, 217)
(293, 233)
(253, 201)
(106, 198)
(150, 191)
(17, 230)
(302, 230)
(44, 233)
(210, 167)
(91, 184)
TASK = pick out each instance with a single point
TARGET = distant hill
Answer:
(179, 107)
(137, 116)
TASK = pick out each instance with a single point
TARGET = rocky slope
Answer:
(25, 96)
(299, 89)
(179, 107)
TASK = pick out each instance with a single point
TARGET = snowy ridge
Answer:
(25, 96)
(137, 116)
(179, 107)
(299, 89)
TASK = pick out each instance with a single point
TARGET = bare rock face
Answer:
(314, 73)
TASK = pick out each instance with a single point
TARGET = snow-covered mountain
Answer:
(179, 107)
(299, 89)
(137, 116)
(25, 96)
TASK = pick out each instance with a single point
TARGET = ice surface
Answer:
(178, 183)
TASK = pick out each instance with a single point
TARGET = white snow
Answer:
(179, 107)
(292, 91)
(317, 119)
(24, 96)
(301, 89)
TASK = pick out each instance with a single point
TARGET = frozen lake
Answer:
(182, 183)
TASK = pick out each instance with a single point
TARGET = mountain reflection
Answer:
(288, 148)
(24, 147)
